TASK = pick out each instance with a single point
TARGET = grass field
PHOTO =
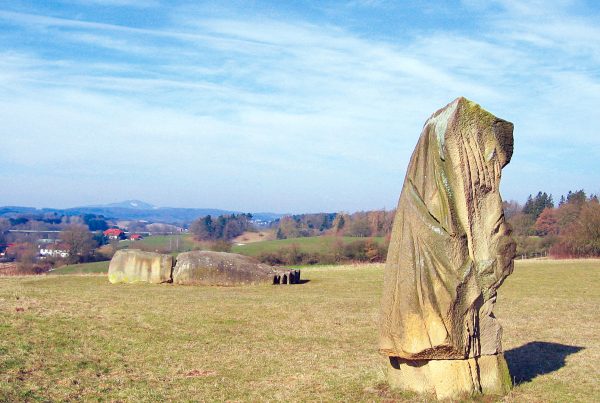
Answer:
(320, 244)
(258, 236)
(181, 243)
(81, 338)
(83, 268)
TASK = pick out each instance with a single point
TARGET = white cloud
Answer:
(287, 106)
(118, 3)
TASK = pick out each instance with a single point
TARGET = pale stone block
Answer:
(451, 379)
(132, 266)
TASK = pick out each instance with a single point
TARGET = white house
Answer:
(54, 251)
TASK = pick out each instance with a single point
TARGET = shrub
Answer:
(220, 246)
(272, 258)
(358, 251)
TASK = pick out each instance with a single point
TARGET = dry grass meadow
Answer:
(70, 337)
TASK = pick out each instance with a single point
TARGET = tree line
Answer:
(359, 250)
(223, 227)
(570, 229)
(362, 224)
(53, 222)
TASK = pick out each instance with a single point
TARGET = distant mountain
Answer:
(11, 210)
(136, 210)
(169, 215)
(133, 204)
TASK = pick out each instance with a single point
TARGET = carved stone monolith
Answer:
(450, 250)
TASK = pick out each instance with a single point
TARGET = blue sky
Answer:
(284, 106)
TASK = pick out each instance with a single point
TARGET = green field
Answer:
(81, 338)
(83, 268)
(164, 243)
(317, 244)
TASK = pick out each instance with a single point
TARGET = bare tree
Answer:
(79, 242)
(4, 227)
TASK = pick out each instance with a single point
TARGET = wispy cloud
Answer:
(241, 112)
(117, 3)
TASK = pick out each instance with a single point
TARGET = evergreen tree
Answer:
(535, 205)
(224, 227)
(577, 197)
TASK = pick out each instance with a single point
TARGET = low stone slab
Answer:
(223, 269)
(132, 266)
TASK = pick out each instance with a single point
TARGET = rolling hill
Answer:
(135, 210)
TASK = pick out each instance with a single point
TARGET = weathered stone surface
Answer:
(448, 379)
(132, 266)
(450, 250)
(221, 268)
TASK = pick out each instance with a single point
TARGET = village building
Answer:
(113, 233)
(54, 250)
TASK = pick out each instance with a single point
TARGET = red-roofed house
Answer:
(113, 233)
(136, 237)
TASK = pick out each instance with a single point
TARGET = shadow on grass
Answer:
(537, 358)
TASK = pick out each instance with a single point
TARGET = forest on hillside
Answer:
(569, 229)
(540, 228)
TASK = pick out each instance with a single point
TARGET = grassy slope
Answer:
(165, 242)
(83, 268)
(73, 337)
(321, 244)
(260, 236)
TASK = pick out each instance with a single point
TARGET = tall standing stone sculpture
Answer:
(450, 251)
